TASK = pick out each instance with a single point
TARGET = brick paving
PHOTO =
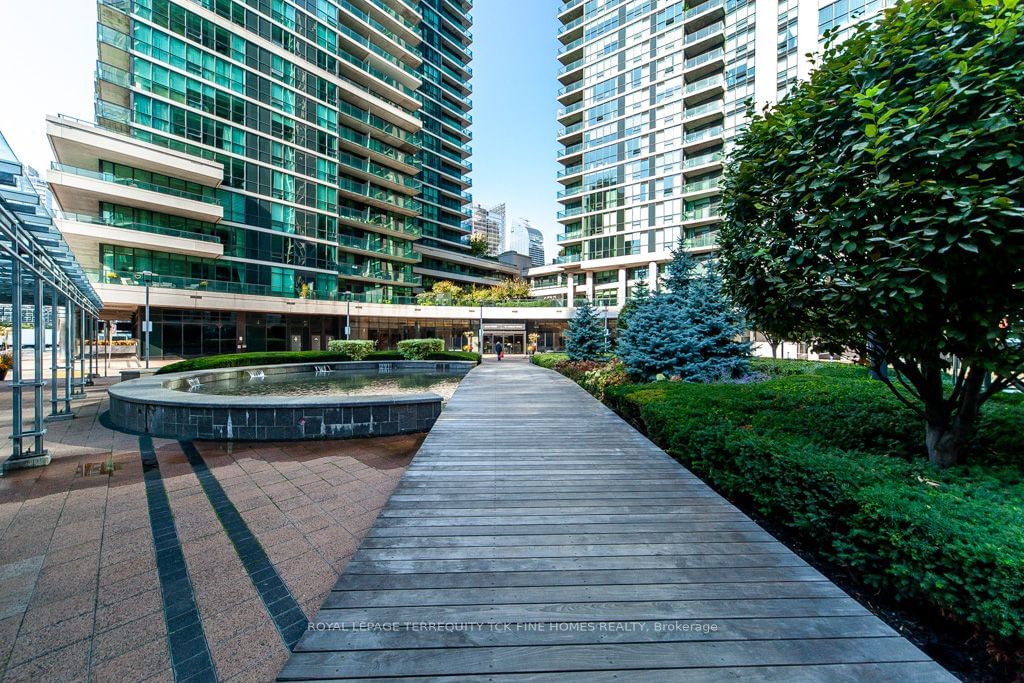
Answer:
(80, 589)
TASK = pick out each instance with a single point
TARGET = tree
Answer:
(640, 294)
(882, 199)
(478, 244)
(689, 330)
(585, 339)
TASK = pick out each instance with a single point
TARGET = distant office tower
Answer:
(652, 95)
(491, 224)
(278, 153)
(536, 246)
(517, 236)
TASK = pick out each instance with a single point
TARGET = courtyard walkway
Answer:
(536, 535)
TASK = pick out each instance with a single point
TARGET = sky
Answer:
(48, 49)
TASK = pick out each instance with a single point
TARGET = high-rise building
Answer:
(517, 236)
(536, 246)
(490, 222)
(323, 147)
(652, 95)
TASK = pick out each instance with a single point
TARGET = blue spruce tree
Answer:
(585, 339)
(690, 330)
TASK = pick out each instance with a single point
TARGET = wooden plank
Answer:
(536, 536)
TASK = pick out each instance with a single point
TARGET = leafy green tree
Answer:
(881, 200)
(478, 244)
(585, 339)
(689, 330)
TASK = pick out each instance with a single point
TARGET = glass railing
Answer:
(569, 130)
(112, 74)
(111, 178)
(704, 84)
(568, 6)
(571, 46)
(572, 108)
(380, 124)
(375, 272)
(702, 213)
(140, 227)
(567, 151)
(704, 58)
(382, 221)
(571, 88)
(703, 7)
(708, 239)
(706, 108)
(374, 246)
(566, 236)
(705, 32)
(568, 213)
(569, 258)
(565, 28)
(571, 66)
(570, 192)
(133, 279)
(703, 159)
(701, 185)
(570, 170)
(703, 135)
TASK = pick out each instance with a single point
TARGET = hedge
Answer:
(357, 349)
(241, 360)
(548, 360)
(419, 349)
(815, 454)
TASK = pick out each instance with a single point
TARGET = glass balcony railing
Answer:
(704, 58)
(133, 279)
(702, 213)
(703, 7)
(571, 235)
(570, 170)
(383, 221)
(703, 159)
(131, 182)
(372, 271)
(705, 241)
(703, 135)
(569, 151)
(140, 227)
(568, 213)
(707, 31)
(704, 84)
(716, 106)
(562, 9)
(571, 88)
(565, 28)
(370, 245)
(701, 185)
(569, 130)
(570, 192)
(569, 258)
(572, 108)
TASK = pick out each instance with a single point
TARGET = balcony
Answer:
(569, 212)
(569, 258)
(698, 91)
(704, 113)
(79, 190)
(571, 93)
(702, 139)
(704, 163)
(701, 188)
(570, 171)
(374, 272)
(570, 10)
(570, 192)
(703, 14)
(702, 216)
(85, 232)
(570, 236)
(707, 62)
(572, 71)
(376, 222)
(571, 31)
(570, 151)
(373, 247)
(704, 39)
(707, 240)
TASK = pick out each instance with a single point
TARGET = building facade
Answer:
(304, 151)
(490, 223)
(536, 246)
(652, 94)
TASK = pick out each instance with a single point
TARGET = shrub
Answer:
(813, 453)
(419, 349)
(548, 360)
(241, 360)
(357, 349)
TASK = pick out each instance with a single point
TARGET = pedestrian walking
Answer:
(499, 349)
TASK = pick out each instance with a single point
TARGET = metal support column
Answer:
(16, 378)
(38, 380)
(56, 341)
(69, 353)
(82, 331)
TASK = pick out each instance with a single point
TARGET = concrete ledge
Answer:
(162, 407)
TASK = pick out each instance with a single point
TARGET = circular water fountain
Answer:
(288, 402)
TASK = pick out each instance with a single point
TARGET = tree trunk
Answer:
(948, 434)
(775, 349)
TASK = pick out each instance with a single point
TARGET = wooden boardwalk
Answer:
(536, 536)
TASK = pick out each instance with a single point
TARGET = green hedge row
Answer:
(548, 360)
(241, 360)
(814, 453)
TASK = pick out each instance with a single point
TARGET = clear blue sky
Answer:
(514, 127)
(514, 70)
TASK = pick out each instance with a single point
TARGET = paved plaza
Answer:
(130, 560)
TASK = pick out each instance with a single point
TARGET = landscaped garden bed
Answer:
(241, 360)
(835, 462)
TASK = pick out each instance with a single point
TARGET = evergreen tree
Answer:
(640, 294)
(690, 330)
(585, 339)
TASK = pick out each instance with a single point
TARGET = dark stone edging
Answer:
(159, 407)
